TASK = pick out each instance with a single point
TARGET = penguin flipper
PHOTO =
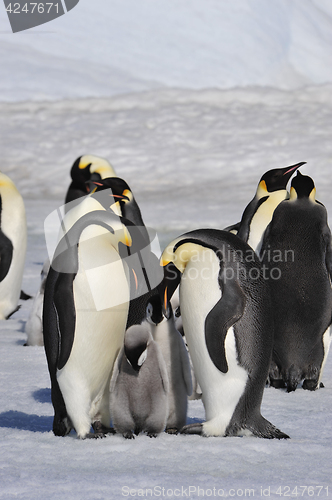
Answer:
(185, 364)
(65, 307)
(227, 311)
(249, 212)
(162, 369)
(6, 255)
(116, 370)
(328, 254)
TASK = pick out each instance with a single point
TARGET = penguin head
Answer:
(136, 341)
(116, 187)
(276, 179)
(154, 310)
(302, 187)
(91, 166)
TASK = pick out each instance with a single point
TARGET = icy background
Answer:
(191, 101)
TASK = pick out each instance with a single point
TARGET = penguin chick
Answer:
(34, 324)
(257, 215)
(86, 168)
(139, 386)
(302, 294)
(177, 362)
(13, 243)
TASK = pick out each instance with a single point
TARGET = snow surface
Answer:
(98, 81)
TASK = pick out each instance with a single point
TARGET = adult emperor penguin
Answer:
(84, 319)
(228, 322)
(13, 243)
(257, 215)
(139, 386)
(176, 358)
(86, 168)
(297, 252)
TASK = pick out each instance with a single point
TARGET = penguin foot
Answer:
(25, 296)
(310, 385)
(100, 428)
(128, 435)
(94, 435)
(277, 383)
(172, 430)
(321, 385)
(192, 429)
(152, 434)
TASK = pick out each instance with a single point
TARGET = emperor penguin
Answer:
(297, 253)
(139, 386)
(257, 215)
(84, 169)
(175, 354)
(228, 321)
(13, 243)
(84, 319)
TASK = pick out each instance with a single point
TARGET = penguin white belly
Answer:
(13, 225)
(263, 217)
(99, 330)
(326, 343)
(199, 292)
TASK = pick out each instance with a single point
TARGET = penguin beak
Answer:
(292, 168)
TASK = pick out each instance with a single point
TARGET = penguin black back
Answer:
(297, 247)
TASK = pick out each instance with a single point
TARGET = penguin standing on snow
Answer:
(13, 243)
(257, 215)
(139, 386)
(297, 245)
(177, 362)
(84, 319)
(86, 168)
(228, 321)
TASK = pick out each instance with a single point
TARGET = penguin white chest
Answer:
(199, 292)
(263, 217)
(13, 225)
(101, 296)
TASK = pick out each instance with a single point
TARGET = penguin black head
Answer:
(276, 179)
(106, 196)
(302, 187)
(136, 341)
(154, 310)
(78, 173)
(92, 167)
(120, 189)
